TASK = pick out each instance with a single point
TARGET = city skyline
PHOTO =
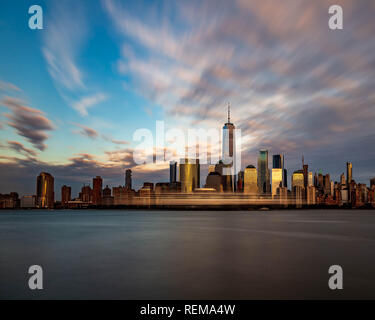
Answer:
(72, 94)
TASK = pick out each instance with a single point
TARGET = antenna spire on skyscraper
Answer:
(228, 112)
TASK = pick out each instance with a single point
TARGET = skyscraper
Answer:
(189, 174)
(342, 179)
(298, 179)
(97, 190)
(278, 162)
(250, 180)
(45, 194)
(128, 179)
(172, 171)
(65, 194)
(310, 180)
(277, 180)
(305, 169)
(229, 154)
(263, 172)
(349, 172)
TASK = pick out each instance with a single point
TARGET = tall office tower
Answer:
(298, 179)
(189, 174)
(311, 195)
(305, 169)
(316, 180)
(45, 190)
(320, 180)
(128, 179)
(250, 180)
(349, 172)
(310, 180)
(277, 180)
(172, 171)
(327, 184)
(65, 194)
(285, 178)
(263, 172)
(372, 183)
(97, 190)
(278, 162)
(342, 179)
(240, 181)
(229, 154)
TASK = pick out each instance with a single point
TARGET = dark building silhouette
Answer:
(86, 194)
(45, 190)
(173, 171)
(263, 172)
(278, 162)
(66, 192)
(107, 192)
(97, 190)
(128, 179)
(107, 200)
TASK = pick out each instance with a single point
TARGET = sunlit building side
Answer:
(277, 179)
(45, 190)
(250, 180)
(189, 174)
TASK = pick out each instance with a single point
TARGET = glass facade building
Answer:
(263, 172)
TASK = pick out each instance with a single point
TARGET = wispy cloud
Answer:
(292, 83)
(63, 40)
(20, 148)
(8, 86)
(86, 131)
(88, 102)
(29, 123)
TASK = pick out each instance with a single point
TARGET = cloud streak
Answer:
(28, 122)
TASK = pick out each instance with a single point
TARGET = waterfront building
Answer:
(263, 172)
(66, 193)
(45, 190)
(251, 180)
(277, 180)
(173, 171)
(128, 179)
(189, 174)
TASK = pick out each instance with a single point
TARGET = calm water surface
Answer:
(112, 254)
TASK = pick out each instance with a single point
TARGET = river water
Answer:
(137, 254)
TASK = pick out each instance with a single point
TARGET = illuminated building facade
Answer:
(349, 172)
(250, 180)
(189, 174)
(277, 179)
(45, 190)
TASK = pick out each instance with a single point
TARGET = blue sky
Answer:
(99, 70)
